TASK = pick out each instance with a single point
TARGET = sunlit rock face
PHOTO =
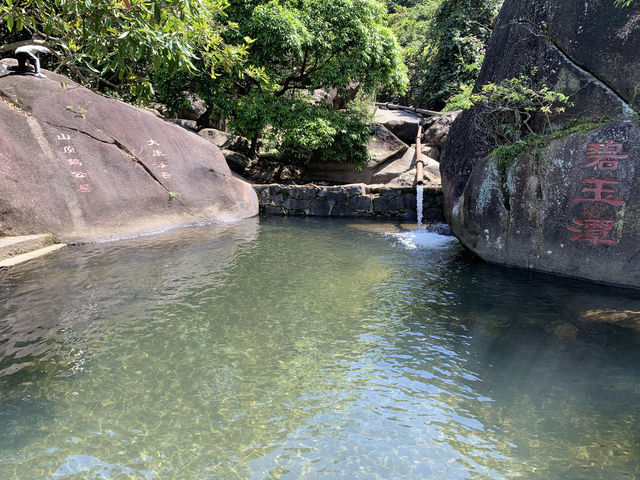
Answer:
(87, 168)
(572, 207)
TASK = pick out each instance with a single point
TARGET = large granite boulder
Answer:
(226, 140)
(403, 125)
(384, 148)
(86, 168)
(572, 207)
(438, 127)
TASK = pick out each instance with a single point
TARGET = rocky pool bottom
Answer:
(312, 348)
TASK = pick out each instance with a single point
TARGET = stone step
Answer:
(12, 246)
(15, 250)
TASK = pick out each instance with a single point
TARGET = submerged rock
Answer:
(87, 168)
(572, 207)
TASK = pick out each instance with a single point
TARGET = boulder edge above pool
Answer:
(570, 206)
(89, 168)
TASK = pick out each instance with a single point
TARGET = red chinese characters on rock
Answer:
(593, 230)
(604, 157)
(600, 192)
(159, 155)
(74, 161)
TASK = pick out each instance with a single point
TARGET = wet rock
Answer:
(338, 196)
(87, 168)
(296, 204)
(360, 203)
(319, 208)
(380, 204)
(341, 211)
(304, 192)
(356, 201)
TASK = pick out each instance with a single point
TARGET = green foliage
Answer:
(320, 44)
(252, 61)
(299, 46)
(506, 155)
(623, 3)
(118, 43)
(301, 131)
(507, 109)
(444, 43)
(461, 100)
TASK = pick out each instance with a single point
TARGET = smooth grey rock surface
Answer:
(225, 140)
(87, 168)
(237, 162)
(395, 167)
(438, 131)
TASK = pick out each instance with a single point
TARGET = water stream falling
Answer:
(419, 194)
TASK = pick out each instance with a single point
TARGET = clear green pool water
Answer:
(311, 349)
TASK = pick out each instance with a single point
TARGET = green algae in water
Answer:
(301, 348)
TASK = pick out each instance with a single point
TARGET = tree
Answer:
(448, 59)
(252, 61)
(296, 47)
(118, 43)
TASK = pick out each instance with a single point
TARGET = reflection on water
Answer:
(311, 348)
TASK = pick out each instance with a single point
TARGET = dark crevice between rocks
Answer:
(134, 158)
(77, 130)
(536, 31)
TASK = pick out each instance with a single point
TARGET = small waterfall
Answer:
(419, 194)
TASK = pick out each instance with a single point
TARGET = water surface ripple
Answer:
(311, 349)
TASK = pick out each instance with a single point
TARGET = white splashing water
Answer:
(419, 195)
(423, 239)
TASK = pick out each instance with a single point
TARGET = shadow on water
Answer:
(542, 374)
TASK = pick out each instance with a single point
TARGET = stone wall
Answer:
(355, 201)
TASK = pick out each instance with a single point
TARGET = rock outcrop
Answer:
(437, 130)
(403, 125)
(89, 168)
(572, 207)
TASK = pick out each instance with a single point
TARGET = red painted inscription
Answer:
(593, 230)
(600, 192)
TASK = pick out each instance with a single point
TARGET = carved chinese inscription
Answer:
(160, 163)
(599, 192)
(73, 161)
(596, 230)
(593, 230)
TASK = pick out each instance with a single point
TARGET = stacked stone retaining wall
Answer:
(354, 201)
